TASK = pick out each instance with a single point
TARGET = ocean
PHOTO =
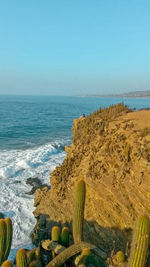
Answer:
(33, 133)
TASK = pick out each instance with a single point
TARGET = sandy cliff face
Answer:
(111, 152)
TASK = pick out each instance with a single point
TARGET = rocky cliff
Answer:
(111, 152)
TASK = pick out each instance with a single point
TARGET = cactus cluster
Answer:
(79, 245)
(24, 258)
(28, 258)
(59, 243)
(60, 239)
(73, 250)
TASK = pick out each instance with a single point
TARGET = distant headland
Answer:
(140, 94)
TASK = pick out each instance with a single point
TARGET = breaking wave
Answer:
(16, 166)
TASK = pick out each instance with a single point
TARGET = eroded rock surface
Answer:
(111, 152)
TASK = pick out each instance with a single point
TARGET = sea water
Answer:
(33, 133)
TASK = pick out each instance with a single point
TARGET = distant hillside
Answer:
(136, 94)
(130, 94)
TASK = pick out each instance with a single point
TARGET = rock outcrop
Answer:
(111, 152)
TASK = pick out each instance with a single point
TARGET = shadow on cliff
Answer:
(108, 239)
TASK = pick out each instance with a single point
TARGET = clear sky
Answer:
(68, 47)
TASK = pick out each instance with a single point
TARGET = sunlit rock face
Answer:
(111, 152)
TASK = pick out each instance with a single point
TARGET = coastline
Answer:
(73, 160)
(107, 155)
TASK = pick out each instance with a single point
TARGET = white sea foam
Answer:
(15, 167)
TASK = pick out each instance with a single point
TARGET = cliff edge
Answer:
(111, 152)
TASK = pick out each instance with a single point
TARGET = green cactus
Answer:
(73, 250)
(37, 253)
(7, 263)
(2, 239)
(120, 257)
(55, 234)
(139, 248)
(21, 258)
(33, 255)
(79, 212)
(30, 255)
(9, 232)
(65, 237)
(82, 258)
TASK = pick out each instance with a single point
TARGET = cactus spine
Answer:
(2, 239)
(65, 237)
(9, 232)
(7, 264)
(139, 249)
(21, 258)
(79, 212)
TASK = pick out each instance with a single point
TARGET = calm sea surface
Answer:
(33, 133)
(27, 121)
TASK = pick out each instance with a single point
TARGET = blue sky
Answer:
(66, 47)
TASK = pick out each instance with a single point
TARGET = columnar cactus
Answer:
(33, 256)
(79, 212)
(7, 264)
(21, 258)
(55, 234)
(30, 255)
(2, 239)
(9, 232)
(120, 257)
(82, 258)
(73, 250)
(65, 237)
(139, 248)
(5, 238)
(37, 253)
